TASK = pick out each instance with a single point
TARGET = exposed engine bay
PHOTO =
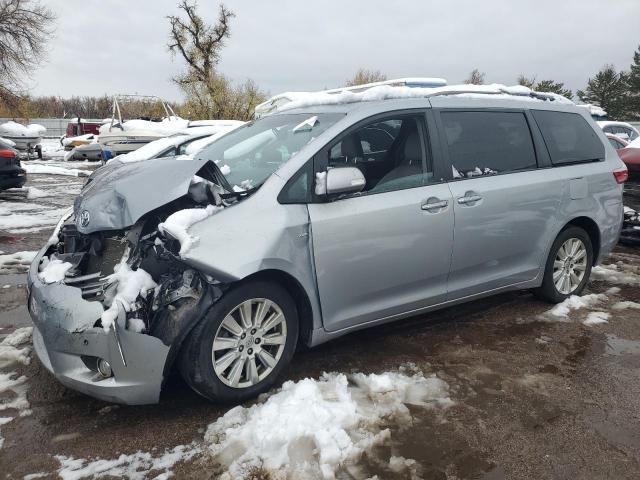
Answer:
(172, 296)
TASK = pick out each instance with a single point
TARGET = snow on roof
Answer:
(152, 149)
(594, 109)
(293, 100)
(13, 129)
(605, 123)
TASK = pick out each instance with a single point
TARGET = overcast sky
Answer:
(119, 46)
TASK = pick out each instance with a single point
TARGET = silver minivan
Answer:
(319, 219)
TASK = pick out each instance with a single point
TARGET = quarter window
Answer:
(488, 143)
(390, 153)
(568, 137)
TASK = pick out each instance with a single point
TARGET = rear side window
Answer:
(488, 143)
(568, 137)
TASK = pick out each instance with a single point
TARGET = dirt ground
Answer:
(534, 398)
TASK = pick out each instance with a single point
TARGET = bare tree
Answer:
(363, 76)
(476, 77)
(24, 28)
(208, 93)
(526, 81)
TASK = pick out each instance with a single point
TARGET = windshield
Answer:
(250, 154)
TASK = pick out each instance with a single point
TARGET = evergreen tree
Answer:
(610, 90)
(634, 83)
(528, 82)
(553, 87)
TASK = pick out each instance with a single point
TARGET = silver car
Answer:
(313, 222)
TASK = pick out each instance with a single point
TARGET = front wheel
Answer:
(240, 349)
(568, 266)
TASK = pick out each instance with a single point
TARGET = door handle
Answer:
(469, 199)
(434, 203)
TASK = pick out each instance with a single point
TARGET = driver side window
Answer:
(390, 153)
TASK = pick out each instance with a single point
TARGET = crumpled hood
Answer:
(118, 194)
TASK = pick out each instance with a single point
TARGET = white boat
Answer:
(120, 136)
(125, 141)
(25, 137)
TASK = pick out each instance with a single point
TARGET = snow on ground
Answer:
(312, 429)
(561, 311)
(619, 273)
(316, 428)
(17, 222)
(179, 222)
(596, 318)
(33, 168)
(13, 389)
(18, 262)
(136, 466)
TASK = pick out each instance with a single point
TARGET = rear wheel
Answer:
(568, 267)
(243, 345)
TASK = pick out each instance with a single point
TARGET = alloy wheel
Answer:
(569, 266)
(249, 343)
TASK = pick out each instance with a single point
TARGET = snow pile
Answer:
(619, 274)
(13, 393)
(136, 466)
(626, 305)
(3, 421)
(574, 302)
(18, 337)
(6, 141)
(10, 354)
(126, 285)
(35, 168)
(53, 271)
(596, 318)
(13, 129)
(18, 262)
(179, 222)
(313, 428)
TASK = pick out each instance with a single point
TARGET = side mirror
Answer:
(344, 180)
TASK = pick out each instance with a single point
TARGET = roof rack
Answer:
(397, 88)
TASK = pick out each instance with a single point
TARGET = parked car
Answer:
(12, 175)
(629, 153)
(173, 145)
(312, 222)
(623, 130)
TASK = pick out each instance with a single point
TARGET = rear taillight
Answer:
(7, 154)
(621, 176)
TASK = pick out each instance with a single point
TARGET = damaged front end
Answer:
(112, 307)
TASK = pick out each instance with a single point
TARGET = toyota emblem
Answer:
(85, 218)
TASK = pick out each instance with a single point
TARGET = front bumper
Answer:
(63, 332)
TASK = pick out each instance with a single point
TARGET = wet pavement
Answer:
(535, 397)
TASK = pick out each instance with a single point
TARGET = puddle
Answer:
(621, 346)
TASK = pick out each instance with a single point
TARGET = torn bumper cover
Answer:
(66, 341)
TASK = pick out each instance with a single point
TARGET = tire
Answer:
(242, 347)
(549, 290)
